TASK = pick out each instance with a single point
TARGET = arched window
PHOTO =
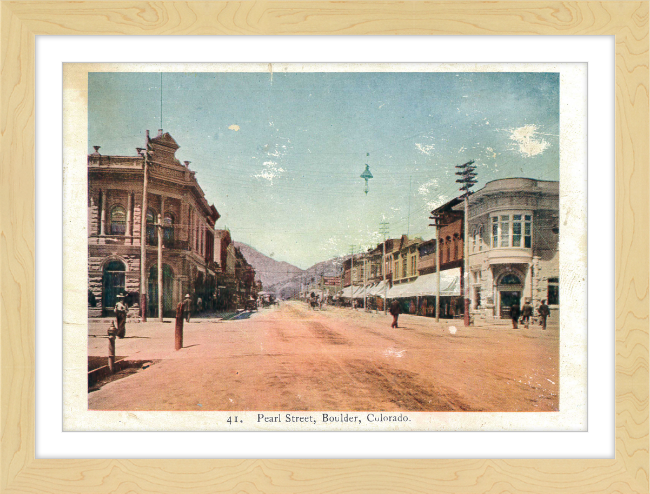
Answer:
(168, 230)
(118, 220)
(510, 279)
(151, 229)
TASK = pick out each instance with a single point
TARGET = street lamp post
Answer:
(366, 175)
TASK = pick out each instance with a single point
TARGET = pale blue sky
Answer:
(280, 156)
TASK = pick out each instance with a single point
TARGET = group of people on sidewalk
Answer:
(526, 311)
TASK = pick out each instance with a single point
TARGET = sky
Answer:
(280, 155)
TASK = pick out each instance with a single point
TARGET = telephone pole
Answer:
(436, 218)
(146, 154)
(352, 276)
(467, 173)
(383, 229)
(160, 268)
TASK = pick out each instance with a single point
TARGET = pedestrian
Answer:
(515, 312)
(187, 307)
(526, 312)
(395, 312)
(121, 309)
(199, 304)
(544, 313)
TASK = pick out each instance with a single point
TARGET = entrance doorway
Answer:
(113, 285)
(508, 299)
(510, 289)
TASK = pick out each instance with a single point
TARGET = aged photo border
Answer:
(22, 472)
(572, 415)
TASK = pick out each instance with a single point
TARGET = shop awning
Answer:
(425, 286)
(379, 290)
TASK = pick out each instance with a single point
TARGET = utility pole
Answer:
(436, 223)
(408, 227)
(352, 276)
(365, 284)
(467, 173)
(383, 229)
(146, 153)
(160, 271)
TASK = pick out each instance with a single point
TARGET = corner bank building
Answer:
(115, 219)
(513, 246)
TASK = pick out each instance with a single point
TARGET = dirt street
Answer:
(295, 359)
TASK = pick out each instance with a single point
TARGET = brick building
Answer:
(115, 193)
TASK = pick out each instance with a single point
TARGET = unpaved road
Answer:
(295, 359)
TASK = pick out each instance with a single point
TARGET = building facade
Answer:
(513, 246)
(176, 205)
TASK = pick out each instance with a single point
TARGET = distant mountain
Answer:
(291, 286)
(269, 271)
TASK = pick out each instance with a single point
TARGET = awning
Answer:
(379, 290)
(345, 293)
(425, 286)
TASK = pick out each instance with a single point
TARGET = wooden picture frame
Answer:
(21, 472)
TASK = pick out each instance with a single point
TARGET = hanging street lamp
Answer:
(366, 175)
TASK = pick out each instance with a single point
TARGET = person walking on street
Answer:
(515, 312)
(187, 307)
(526, 312)
(395, 312)
(121, 309)
(544, 313)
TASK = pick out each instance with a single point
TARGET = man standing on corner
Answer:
(395, 312)
(526, 312)
(515, 312)
(121, 310)
(544, 313)
(187, 307)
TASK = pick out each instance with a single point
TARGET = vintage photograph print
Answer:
(324, 246)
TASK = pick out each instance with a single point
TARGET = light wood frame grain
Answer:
(21, 472)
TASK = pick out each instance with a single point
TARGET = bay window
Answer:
(512, 230)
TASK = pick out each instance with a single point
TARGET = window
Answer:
(553, 297)
(527, 231)
(404, 268)
(168, 230)
(512, 230)
(118, 220)
(505, 231)
(516, 230)
(413, 265)
(151, 228)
